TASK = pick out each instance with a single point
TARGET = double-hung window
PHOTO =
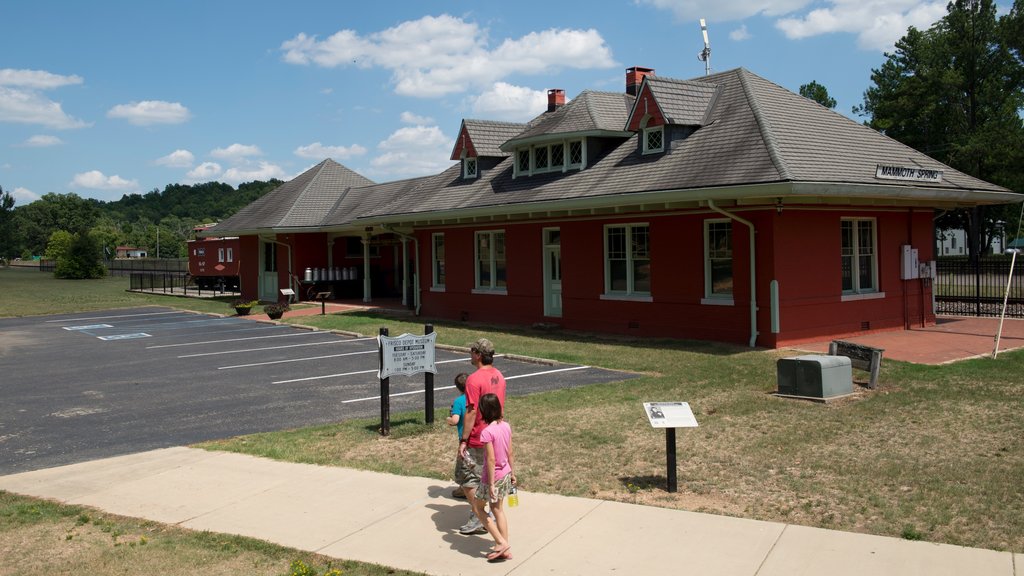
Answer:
(859, 256)
(437, 260)
(718, 279)
(490, 261)
(627, 271)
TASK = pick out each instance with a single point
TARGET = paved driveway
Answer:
(87, 386)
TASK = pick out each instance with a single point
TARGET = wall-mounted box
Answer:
(815, 376)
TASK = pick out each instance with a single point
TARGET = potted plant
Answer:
(275, 311)
(243, 307)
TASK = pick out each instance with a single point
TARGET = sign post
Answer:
(385, 391)
(670, 415)
(407, 354)
(428, 385)
(322, 297)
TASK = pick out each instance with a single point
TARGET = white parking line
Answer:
(368, 398)
(117, 316)
(294, 360)
(303, 333)
(396, 394)
(374, 371)
(244, 350)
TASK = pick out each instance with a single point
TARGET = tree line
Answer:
(59, 224)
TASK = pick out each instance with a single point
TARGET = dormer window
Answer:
(654, 139)
(553, 157)
(469, 168)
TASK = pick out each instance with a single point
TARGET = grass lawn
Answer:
(934, 454)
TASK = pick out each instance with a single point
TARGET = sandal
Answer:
(500, 555)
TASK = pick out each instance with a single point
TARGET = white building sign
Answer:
(670, 414)
(407, 354)
(911, 173)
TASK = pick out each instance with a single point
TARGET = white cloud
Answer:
(434, 56)
(740, 34)
(30, 107)
(99, 181)
(264, 171)
(151, 112)
(507, 102)
(236, 152)
(878, 24)
(24, 196)
(36, 79)
(204, 172)
(41, 141)
(413, 151)
(177, 159)
(410, 118)
(724, 10)
(317, 150)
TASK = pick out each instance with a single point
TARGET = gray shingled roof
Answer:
(755, 133)
(683, 102)
(487, 136)
(301, 202)
(589, 113)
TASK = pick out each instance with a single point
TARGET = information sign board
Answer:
(670, 414)
(407, 354)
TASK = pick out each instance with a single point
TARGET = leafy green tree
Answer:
(954, 92)
(818, 93)
(82, 260)
(8, 247)
(35, 222)
(59, 245)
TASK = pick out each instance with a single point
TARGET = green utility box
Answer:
(814, 376)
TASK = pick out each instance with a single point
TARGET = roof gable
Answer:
(483, 138)
(590, 113)
(672, 102)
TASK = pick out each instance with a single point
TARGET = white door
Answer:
(552, 272)
(268, 272)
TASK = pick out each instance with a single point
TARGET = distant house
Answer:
(130, 252)
(954, 243)
(720, 208)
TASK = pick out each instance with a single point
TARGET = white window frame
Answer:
(710, 297)
(492, 287)
(547, 148)
(231, 254)
(856, 292)
(437, 263)
(220, 254)
(630, 293)
(647, 135)
(470, 168)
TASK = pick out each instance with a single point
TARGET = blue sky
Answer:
(107, 98)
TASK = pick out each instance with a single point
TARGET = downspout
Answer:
(753, 269)
(291, 275)
(416, 275)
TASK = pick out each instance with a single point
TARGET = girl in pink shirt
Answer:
(497, 478)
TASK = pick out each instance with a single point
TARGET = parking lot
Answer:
(93, 385)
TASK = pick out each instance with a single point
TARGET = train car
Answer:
(213, 262)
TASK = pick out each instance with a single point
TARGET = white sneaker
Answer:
(474, 526)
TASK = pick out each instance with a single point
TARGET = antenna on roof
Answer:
(705, 54)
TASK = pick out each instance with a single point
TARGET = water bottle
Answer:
(513, 498)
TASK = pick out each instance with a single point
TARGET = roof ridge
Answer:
(295, 203)
(764, 126)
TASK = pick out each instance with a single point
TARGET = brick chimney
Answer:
(634, 76)
(556, 99)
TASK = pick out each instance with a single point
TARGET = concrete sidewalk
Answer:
(407, 522)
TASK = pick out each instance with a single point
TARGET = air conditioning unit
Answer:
(815, 376)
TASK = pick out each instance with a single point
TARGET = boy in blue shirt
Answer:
(456, 417)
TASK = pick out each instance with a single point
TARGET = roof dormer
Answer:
(667, 110)
(482, 139)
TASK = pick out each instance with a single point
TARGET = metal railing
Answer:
(966, 288)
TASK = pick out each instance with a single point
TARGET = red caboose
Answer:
(213, 262)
